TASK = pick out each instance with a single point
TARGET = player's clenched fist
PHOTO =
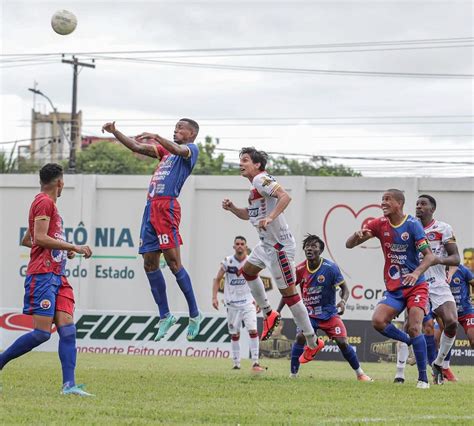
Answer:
(227, 204)
(84, 250)
(109, 127)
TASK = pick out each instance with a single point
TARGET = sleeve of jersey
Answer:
(43, 210)
(299, 273)
(374, 226)
(338, 278)
(193, 153)
(224, 264)
(160, 151)
(265, 185)
(420, 237)
(468, 275)
(448, 235)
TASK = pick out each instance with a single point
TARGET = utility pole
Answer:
(74, 127)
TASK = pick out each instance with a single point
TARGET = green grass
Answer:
(152, 390)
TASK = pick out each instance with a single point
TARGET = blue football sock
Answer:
(431, 348)
(419, 349)
(67, 352)
(186, 287)
(158, 289)
(296, 351)
(350, 355)
(23, 344)
(394, 333)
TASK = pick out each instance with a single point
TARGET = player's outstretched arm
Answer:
(358, 238)
(241, 213)
(131, 144)
(173, 147)
(26, 240)
(215, 287)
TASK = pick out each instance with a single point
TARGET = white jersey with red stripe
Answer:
(438, 234)
(236, 290)
(261, 203)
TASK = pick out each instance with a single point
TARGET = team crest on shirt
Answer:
(267, 180)
(457, 280)
(321, 279)
(431, 236)
(394, 272)
(45, 304)
(405, 236)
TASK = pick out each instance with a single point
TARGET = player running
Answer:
(276, 249)
(48, 295)
(239, 303)
(402, 238)
(160, 224)
(443, 245)
(319, 279)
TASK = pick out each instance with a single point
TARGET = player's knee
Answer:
(428, 328)
(150, 264)
(450, 327)
(379, 323)
(414, 330)
(300, 339)
(248, 277)
(40, 336)
(253, 334)
(235, 337)
(342, 344)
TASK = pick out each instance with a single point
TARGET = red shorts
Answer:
(65, 297)
(333, 327)
(160, 225)
(409, 297)
(467, 321)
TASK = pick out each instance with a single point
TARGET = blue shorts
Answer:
(40, 294)
(408, 297)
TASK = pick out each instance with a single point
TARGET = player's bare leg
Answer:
(173, 259)
(447, 312)
(350, 355)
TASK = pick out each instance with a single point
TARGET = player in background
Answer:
(402, 239)
(160, 224)
(49, 298)
(461, 284)
(319, 280)
(239, 303)
(276, 249)
(443, 244)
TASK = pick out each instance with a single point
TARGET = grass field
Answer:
(151, 390)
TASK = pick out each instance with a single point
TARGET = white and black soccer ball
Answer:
(64, 22)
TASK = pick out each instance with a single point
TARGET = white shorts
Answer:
(440, 294)
(281, 264)
(235, 316)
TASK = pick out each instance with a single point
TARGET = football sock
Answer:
(447, 359)
(350, 355)
(158, 289)
(254, 347)
(300, 315)
(445, 344)
(186, 287)
(258, 292)
(402, 356)
(431, 348)
(394, 333)
(296, 351)
(419, 349)
(23, 344)
(235, 345)
(67, 352)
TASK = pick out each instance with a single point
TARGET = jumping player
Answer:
(160, 224)
(443, 245)
(48, 296)
(276, 249)
(402, 238)
(239, 303)
(319, 279)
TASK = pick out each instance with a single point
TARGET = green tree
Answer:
(210, 163)
(316, 166)
(110, 158)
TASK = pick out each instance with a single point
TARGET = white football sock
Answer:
(402, 356)
(300, 314)
(254, 347)
(258, 292)
(235, 345)
(445, 345)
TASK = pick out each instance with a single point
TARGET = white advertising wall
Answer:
(105, 212)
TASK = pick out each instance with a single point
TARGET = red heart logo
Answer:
(355, 214)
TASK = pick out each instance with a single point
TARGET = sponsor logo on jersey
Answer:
(253, 212)
(405, 236)
(45, 304)
(268, 181)
(394, 272)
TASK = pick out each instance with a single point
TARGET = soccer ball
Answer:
(64, 22)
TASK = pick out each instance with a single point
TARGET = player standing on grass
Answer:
(402, 239)
(239, 303)
(319, 279)
(48, 296)
(276, 249)
(160, 224)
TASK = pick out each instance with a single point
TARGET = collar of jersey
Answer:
(429, 224)
(314, 270)
(240, 261)
(400, 224)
